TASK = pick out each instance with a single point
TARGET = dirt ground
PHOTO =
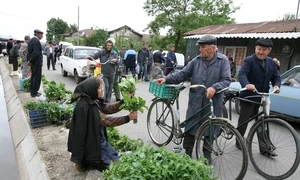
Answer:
(52, 143)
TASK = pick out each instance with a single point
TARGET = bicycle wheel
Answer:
(216, 141)
(278, 137)
(156, 73)
(160, 122)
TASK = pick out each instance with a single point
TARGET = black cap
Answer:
(207, 39)
(10, 39)
(18, 42)
(38, 31)
(264, 42)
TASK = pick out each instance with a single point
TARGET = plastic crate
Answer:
(21, 84)
(38, 118)
(162, 91)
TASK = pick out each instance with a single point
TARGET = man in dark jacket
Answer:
(171, 60)
(35, 60)
(14, 54)
(158, 58)
(211, 69)
(232, 68)
(143, 56)
(256, 73)
(9, 45)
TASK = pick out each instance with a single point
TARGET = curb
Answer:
(29, 162)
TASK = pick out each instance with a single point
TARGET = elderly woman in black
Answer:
(87, 140)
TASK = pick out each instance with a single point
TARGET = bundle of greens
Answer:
(127, 85)
(133, 104)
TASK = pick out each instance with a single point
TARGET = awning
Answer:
(289, 35)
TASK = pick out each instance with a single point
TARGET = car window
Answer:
(82, 53)
(66, 52)
(292, 78)
(71, 53)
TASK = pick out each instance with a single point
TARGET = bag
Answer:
(137, 69)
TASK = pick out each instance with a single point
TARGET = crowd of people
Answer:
(88, 142)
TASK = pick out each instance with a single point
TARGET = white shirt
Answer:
(50, 50)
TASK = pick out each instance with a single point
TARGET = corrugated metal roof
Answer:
(260, 27)
(290, 35)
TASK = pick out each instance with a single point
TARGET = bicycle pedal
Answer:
(177, 149)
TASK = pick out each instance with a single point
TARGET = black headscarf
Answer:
(88, 88)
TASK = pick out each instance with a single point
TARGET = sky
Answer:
(27, 15)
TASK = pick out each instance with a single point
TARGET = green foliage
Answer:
(56, 91)
(181, 16)
(73, 28)
(54, 111)
(133, 104)
(56, 27)
(150, 163)
(127, 85)
(26, 84)
(122, 143)
(97, 39)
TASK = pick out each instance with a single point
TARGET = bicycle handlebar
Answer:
(260, 93)
(196, 86)
(108, 61)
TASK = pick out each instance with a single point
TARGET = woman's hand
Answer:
(133, 115)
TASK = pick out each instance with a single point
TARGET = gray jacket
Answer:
(23, 51)
(47, 51)
(216, 75)
(108, 69)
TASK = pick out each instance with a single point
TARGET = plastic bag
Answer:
(137, 69)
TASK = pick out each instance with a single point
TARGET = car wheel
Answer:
(237, 106)
(63, 72)
(77, 78)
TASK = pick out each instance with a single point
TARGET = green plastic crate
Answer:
(162, 91)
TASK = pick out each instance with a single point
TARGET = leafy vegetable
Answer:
(150, 163)
(26, 84)
(56, 91)
(127, 85)
(133, 104)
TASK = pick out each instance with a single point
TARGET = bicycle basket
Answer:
(162, 91)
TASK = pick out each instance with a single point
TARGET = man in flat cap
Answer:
(257, 71)
(35, 60)
(23, 55)
(211, 69)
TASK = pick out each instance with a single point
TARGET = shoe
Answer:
(14, 73)
(269, 153)
(80, 167)
(38, 93)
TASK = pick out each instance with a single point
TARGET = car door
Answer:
(67, 59)
(288, 100)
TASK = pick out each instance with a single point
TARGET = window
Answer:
(238, 53)
(82, 53)
(292, 79)
(70, 53)
(66, 52)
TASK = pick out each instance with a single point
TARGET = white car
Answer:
(73, 61)
(179, 57)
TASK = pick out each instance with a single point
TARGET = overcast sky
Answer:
(20, 17)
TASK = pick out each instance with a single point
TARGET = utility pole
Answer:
(296, 17)
(78, 29)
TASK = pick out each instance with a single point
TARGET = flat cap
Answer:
(26, 38)
(264, 42)
(207, 39)
(38, 31)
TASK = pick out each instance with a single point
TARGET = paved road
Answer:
(139, 130)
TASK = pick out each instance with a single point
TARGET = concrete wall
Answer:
(28, 159)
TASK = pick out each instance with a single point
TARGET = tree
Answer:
(181, 16)
(73, 28)
(98, 38)
(56, 27)
(287, 16)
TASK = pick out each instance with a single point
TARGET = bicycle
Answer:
(270, 133)
(213, 137)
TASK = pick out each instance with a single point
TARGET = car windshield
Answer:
(82, 53)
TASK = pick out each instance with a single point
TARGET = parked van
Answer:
(179, 57)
